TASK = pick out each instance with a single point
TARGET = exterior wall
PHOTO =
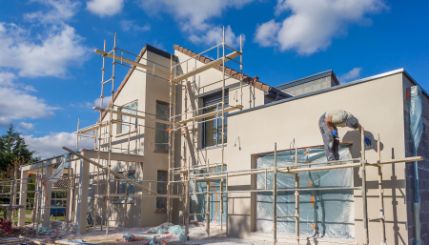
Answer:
(423, 166)
(143, 209)
(156, 89)
(375, 103)
(191, 96)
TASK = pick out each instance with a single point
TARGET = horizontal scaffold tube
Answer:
(295, 169)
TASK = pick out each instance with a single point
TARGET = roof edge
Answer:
(231, 72)
(349, 84)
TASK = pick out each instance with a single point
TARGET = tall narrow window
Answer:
(161, 202)
(212, 126)
(162, 110)
(161, 128)
(127, 115)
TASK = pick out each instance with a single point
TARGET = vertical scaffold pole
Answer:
(208, 208)
(364, 193)
(275, 196)
(241, 71)
(99, 130)
(223, 125)
(297, 221)
(171, 158)
(381, 193)
(109, 152)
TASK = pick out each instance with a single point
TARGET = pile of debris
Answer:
(162, 234)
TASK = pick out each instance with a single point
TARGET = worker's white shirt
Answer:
(338, 117)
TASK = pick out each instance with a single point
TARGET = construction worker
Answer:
(328, 124)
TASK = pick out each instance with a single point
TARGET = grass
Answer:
(29, 217)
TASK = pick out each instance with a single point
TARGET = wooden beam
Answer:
(119, 176)
(210, 114)
(207, 66)
(151, 69)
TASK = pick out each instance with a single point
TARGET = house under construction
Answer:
(188, 137)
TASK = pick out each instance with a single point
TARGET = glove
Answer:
(334, 133)
(368, 141)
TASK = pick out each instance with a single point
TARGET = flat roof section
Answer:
(356, 82)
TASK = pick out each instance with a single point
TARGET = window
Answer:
(212, 126)
(161, 129)
(128, 123)
(161, 188)
(162, 110)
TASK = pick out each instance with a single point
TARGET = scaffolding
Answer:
(182, 172)
(185, 121)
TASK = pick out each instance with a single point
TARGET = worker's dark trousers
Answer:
(330, 143)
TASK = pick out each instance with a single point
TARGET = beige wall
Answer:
(202, 84)
(143, 211)
(377, 104)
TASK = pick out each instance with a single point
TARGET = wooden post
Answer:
(364, 194)
(22, 198)
(221, 203)
(297, 222)
(227, 206)
(208, 209)
(187, 202)
(275, 196)
(381, 193)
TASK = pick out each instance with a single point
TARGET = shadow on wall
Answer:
(354, 136)
(239, 224)
(389, 182)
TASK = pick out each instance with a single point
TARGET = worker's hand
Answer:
(368, 141)
(334, 133)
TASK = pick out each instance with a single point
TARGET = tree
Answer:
(13, 153)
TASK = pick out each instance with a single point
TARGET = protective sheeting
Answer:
(58, 172)
(198, 199)
(323, 213)
(416, 126)
(416, 117)
(162, 234)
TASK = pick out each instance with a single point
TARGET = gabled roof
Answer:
(147, 47)
(254, 81)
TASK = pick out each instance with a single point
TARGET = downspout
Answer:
(416, 127)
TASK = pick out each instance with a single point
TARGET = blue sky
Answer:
(50, 76)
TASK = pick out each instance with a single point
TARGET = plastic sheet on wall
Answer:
(58, 172)
(323, 213)
(198, 199)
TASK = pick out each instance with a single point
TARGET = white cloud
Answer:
(17, 103)
(263, 35)
(131, 26)
(351, 75)
(35, 50)
(105, 103)
(194, 17)
(313, 24)
(51, 56)
(60, 10)
(214, 35)
(26, 125)
(105, 7)
(51, 144)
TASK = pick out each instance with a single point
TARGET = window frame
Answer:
(120, 129)
(214, 99)
(161, 126)
(161, 188)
